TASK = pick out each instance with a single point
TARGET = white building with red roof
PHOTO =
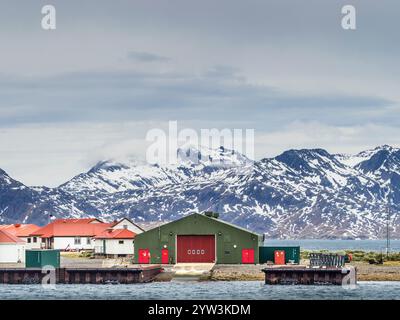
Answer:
(23, 232)
(70, 234)
(81, 234)
(115, 243)
(12, 248)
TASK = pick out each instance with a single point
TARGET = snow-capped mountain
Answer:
(298, 194)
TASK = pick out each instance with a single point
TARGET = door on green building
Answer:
(196, 248)
(144, 256)
(247, 256)
(164, 256)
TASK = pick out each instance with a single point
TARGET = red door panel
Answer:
(199, 248)
(247, 256)
(279, 257)
(144, 256)
(164, 256)
(251, 255)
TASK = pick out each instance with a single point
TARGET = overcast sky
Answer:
(112, 70)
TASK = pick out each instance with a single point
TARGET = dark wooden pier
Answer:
(302, 275)
(81, 275)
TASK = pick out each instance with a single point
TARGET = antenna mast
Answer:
(388, 227)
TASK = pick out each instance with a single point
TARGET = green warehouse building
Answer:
(197, 238)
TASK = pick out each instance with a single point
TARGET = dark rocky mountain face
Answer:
(384, 167)
(298, 194)
(16, 200)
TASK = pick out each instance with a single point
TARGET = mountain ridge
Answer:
(301, 193)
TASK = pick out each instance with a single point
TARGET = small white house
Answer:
(115, 243)
(127, 224)
(12, 248)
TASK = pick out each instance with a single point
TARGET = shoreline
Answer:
(389, 271)
(365, 272)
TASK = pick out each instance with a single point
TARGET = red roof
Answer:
(6, 237)
(84, 220)
(116, 234)
(20, 230)
(71, 228)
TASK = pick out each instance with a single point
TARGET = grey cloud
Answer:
(143, 56)
(220, 95)
(222, 71)
(276, 62)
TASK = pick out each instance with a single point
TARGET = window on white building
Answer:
(77, 240)
(121, 241)
(88, 240)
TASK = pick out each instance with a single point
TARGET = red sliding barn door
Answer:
(199, 248)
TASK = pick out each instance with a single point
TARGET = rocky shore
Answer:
(389, 271)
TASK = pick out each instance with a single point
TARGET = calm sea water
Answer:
(202, 290)
(335, 245)
(223, 290)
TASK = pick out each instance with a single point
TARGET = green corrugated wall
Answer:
(227, 236)
(41, 258)
(291, 253)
